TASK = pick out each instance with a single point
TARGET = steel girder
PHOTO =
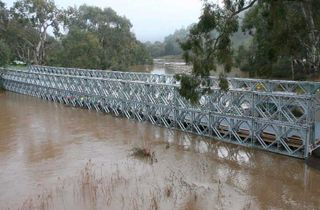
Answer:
(277, 116)
(261, 85)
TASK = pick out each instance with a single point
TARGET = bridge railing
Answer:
(131, 76)
(271, 120)
(261, 85)
(264, 87)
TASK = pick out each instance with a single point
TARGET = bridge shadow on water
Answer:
(313, 162)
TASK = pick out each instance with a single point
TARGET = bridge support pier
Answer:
(314, 160)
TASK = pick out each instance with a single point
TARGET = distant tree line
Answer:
(38, 32)
(170, 45)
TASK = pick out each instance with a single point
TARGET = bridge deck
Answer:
(275, 115)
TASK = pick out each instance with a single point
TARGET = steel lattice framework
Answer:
(273, 115)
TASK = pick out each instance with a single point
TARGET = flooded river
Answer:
(58, 157)
(178, 66)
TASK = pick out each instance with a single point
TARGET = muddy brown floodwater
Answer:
(58, 157)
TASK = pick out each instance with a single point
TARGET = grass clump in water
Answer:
(144, 153)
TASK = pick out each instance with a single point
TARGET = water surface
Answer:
(58, 157)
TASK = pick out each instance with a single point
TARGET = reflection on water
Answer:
(60, 157)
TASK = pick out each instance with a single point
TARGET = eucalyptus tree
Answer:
(4, 16)
(4, 48)
(17, 36)
(4, 53)
(284, 32)
(117, 47)
(209, 45)
(280, 29)
(80, 49)
(41, 15)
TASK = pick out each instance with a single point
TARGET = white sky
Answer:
(152, 20)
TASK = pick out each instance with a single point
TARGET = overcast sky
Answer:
(152, 19)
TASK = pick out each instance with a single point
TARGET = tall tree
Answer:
(80, 49)
(4, 16)
(41, 15)
(282, 34)
(310, 10)
(4, 49)
(94, 37)
(119, 48)
(209, 44)
(282, 30)
(4, 53)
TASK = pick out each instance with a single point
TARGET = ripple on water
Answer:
(45, 150)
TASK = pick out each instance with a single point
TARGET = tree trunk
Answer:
(40, 46)
(313, 57)
(292, 68)
(37, 55)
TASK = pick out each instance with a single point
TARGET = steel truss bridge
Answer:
(273, 115)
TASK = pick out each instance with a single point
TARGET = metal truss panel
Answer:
(275, 115)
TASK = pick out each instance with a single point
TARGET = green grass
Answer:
(18, 67)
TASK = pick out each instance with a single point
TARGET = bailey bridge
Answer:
(273, 115)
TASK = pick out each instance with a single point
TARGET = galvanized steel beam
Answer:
(272, 115)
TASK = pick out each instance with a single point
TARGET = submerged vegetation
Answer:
(144, 153)
(123, 186)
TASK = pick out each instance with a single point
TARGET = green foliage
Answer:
(95, 38)
(4, 53)
(39, 16)
(170, 46)
(283, 33)
(189, 87)
(223, 84)
(297, 112)
(155, 49)
(171, 42)
(284, 44)
(99, 38)
(80, 49)
(209, 44)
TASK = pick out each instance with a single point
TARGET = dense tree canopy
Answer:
(99, 38)
(39, 15)
(86, 37)
(286, 38)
